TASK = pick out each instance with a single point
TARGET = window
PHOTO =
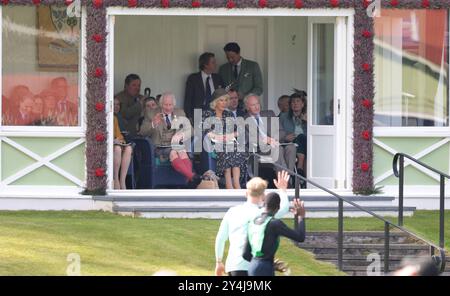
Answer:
(40, 57)
(411, 68)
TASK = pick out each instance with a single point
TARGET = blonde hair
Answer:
(256, 186)
(212, 105)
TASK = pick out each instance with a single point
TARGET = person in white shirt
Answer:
(235, 222)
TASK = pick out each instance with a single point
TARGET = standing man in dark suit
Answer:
(201, 85)
(244, 75)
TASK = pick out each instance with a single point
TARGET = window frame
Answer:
(419, 131)
(53, 131)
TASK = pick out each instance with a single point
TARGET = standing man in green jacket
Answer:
(244, 75)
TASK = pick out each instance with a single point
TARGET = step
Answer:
(182, 195)
(359, 237)
(332, 257)
(366, 249)
(353, 263)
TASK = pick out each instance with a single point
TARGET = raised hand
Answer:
(282, 180)
(299, 208)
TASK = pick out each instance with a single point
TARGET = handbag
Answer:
(208, 184)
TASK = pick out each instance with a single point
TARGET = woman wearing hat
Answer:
(230, 163)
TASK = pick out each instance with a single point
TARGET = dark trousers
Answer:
(238, 273)
(260, 267)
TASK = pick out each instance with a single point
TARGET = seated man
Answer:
(265, 136)
(233, 105)
(283, 104)
(169, 128)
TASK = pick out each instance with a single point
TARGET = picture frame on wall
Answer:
(58, 40)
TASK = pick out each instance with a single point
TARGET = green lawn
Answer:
(38, 243)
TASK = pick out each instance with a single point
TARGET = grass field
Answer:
(38, 243)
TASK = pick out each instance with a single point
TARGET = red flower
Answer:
(262, 3)
(99, 106)
(298, 4)
(366, 3)
(231, 4)
(5, 2)
(334, 3)
(97, 3)
(165, 3)
(99, 172)
(366, 103)
(366, 33)
(97, 38)
(98, 72)
(36, 2)
(365, 135)
(364, 166)
(425, 3)
(132, 3)
(394, 2)
(100, 137)
(196, 4)
(68, 2)
(366, 67)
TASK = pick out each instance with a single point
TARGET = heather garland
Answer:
(363, 85)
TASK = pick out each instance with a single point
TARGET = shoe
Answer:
(193, 184)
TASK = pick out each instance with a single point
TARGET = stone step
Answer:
(217, 212)
(352, 268)
(393, 258)
(359, 264)
(359, 237)
(366, 249)
(224, 195)
(364, 273)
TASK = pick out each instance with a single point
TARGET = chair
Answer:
(131, 173)
(152, 172)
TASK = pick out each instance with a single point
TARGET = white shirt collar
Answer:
(204, 75)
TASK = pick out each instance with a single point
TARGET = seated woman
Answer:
(149, 104)
(122, 156)
(264, 235)
(294, 123)
(168, 127)
(230, 163)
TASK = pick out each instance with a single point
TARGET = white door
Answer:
(326, 94)
(248, 32)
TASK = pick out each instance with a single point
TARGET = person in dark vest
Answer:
(264, 234)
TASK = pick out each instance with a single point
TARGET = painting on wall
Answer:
(58, 39)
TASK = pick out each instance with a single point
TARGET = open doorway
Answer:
(164, 51)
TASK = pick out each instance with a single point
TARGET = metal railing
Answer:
(399, 173)
(440, 261)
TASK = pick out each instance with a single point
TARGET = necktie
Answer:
(257, 132)
(169, 125)
(207, 92)
(235, 72)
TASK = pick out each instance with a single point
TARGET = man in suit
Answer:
(24, 115)
(67, 110)
(201, 85)
(261, 122)
(169, 128)
(130, 104)
(244, 75)
(233, 106)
